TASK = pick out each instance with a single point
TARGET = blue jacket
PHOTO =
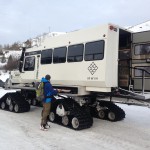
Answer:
(48, 91)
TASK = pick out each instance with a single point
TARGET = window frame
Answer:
(47, 57)
(54, 62)
(77, 55)
(103, 49)
(25, 63)
(148, 44)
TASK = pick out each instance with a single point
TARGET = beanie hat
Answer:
(47, 77)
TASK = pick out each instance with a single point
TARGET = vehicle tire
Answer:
(8, 100)
(34, 102)
(111, 116)
(29, 101)
(102, 114)
(75, 123)
(16, 108)
(3, 105)
(11, 107)
(65, 120)
(52, 116)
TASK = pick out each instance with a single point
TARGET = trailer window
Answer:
(59, 55)
(94, 51)
(75, 53)
(138, 73)
(46, 56)
(29, 63)
(142, 49)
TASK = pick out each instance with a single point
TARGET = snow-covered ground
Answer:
(20, 131)
(3, 91)
(4, 75)
(14, 54)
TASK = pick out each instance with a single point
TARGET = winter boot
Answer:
(44, 127)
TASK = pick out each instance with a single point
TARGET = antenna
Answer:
(49, 29)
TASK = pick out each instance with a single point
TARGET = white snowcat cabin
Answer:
(141, 59)
(84, 60)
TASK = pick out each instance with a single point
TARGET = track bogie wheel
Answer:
(75, 123)
(8, 100)
(34, 102)
(65, 120)
(102, 114)
(52, 116)
(29, 101)
(11, 107)
(3, 105)
(111, 116)
(16, 108)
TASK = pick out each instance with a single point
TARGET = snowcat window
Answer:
(94, 51)
(46, 56)
(142, 49)
(138, 73)
(29, 63)
(75, 53)
(59, 55)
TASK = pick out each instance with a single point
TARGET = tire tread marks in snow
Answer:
(16, 98)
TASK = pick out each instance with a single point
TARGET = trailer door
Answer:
(141, 59)
(124, 72)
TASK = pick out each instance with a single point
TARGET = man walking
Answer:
(48, 93)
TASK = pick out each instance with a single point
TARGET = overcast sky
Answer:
(24, 19)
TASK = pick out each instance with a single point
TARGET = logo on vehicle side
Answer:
(92, 68)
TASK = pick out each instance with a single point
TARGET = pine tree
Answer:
(12, 63)
(3, 59)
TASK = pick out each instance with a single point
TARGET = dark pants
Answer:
(45, 112)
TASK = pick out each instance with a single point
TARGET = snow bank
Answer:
(2, 65)
(3, 92)
(14, 54)
(4, 76)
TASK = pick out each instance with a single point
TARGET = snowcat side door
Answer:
(29, 69)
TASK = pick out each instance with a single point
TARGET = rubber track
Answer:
(18, 99)
(81, 113)
(120, 114)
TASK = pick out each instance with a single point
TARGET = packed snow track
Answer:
(21, 131)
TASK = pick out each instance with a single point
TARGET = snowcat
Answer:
(94, 67)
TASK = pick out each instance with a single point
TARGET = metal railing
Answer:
(143, 77)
